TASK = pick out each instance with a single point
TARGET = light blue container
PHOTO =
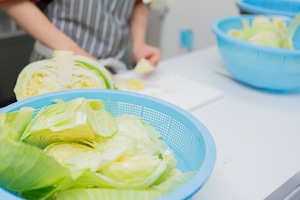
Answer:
(191, 142)
(288, 8)
(257, 65)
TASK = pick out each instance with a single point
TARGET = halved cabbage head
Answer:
(63, 71)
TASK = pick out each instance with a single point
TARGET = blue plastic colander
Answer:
(191, 142)
(289, 8)
(275, 69)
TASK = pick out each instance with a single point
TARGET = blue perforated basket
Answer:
(275, 69)
(288, 8)
(193, 145)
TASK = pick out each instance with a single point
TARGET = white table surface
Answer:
(257, 133)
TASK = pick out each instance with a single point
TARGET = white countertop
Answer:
(257, 133)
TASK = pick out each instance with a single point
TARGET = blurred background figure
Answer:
(100, 29)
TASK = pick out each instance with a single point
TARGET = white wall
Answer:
(196, 15)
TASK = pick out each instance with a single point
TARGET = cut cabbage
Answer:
(13, 124)
(143, 67)
(64, 71)
(263, 31)
(71, 121)
(24, 167)
(173, 182)
(77, 150)
(132, 84)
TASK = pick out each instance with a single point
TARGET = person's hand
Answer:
(150, 53)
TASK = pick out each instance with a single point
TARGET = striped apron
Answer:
(98, 26)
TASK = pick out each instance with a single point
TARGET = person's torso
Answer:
(98, 26)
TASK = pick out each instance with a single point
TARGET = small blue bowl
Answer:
(288, 8)
(257, 65)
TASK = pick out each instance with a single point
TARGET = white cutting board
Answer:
(173, 88)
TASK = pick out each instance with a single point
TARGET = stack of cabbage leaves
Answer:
(77, 150)
(266, 31)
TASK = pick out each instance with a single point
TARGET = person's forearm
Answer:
(138, 24)
(36, 24)
(33, 21)
(138, 28)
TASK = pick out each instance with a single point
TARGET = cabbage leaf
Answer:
(173, 182)
(21, 167)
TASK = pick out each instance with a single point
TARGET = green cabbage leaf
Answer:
(173, 182)
(20, 168)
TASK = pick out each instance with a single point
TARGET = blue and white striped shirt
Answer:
(98, 26)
